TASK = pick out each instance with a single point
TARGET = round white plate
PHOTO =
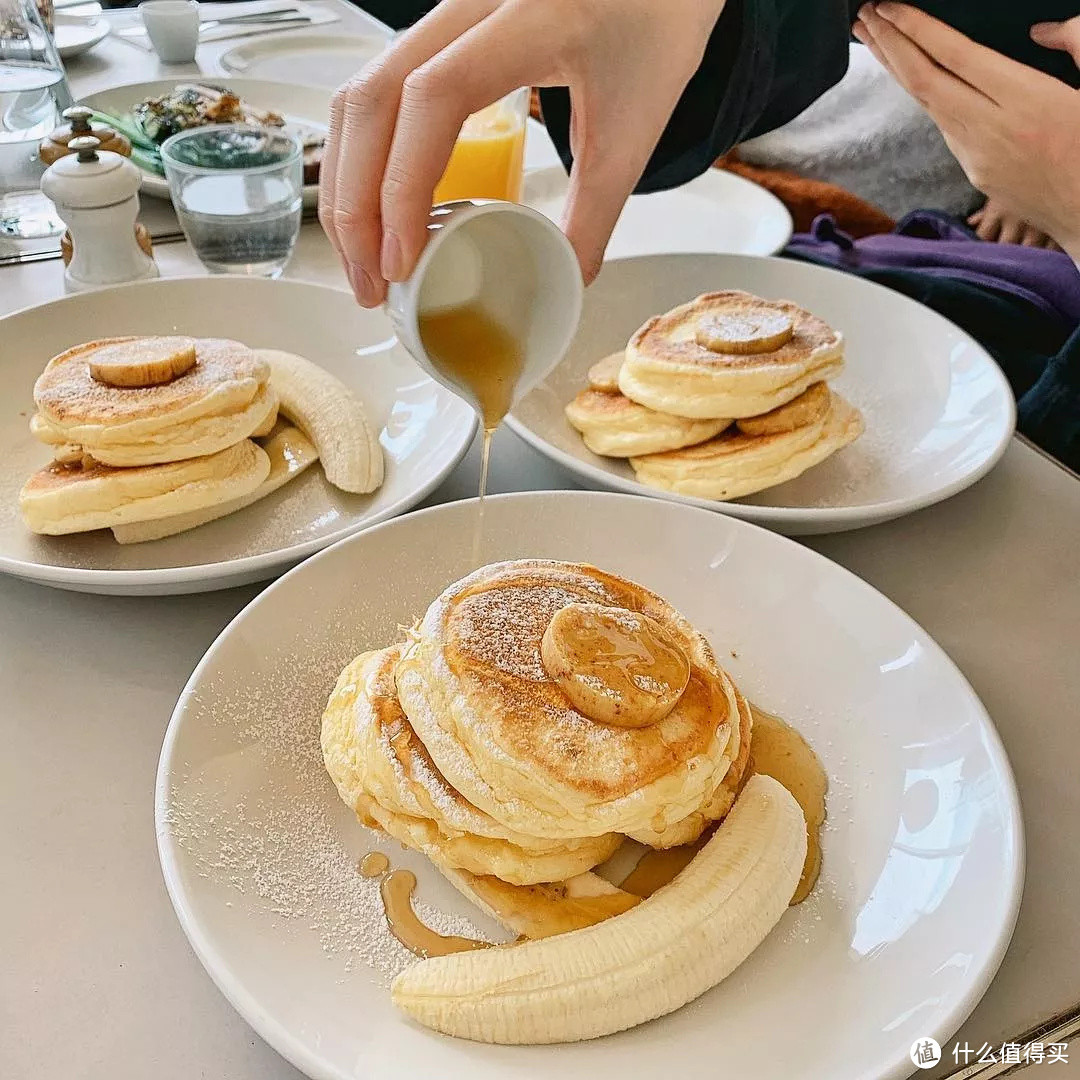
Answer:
(309, 105)
(325, 60)
(74, 36)
(938, 411)
(425, 431)
(923, 852)
(717, 212)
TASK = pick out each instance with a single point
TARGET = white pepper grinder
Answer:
(96, 195)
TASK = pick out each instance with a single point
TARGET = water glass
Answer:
(238, 191)
(33, 93)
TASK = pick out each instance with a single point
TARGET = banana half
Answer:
(331, 416)
(636, 966)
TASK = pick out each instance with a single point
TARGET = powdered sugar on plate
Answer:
(262, 817)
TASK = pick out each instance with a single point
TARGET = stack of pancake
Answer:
(539, 713)
(155, 435)
(720, 397)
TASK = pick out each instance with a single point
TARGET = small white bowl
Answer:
(510, 260)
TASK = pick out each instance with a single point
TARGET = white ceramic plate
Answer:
(307, 105)
(74, 36)
(939, 412)
(425, 431)
(923, 853)
(717, 212)
(308, 59)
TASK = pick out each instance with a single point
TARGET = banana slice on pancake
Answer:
(149, 361)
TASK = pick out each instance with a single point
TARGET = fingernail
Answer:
(887, 11)
(363, 285)
(865, 10)
(391, 258)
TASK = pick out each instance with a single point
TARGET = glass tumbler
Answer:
(488, 159)
(33, 93)
(238, 192)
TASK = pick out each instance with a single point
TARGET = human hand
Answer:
(1012, 128)
(997, 224)
(393, 126)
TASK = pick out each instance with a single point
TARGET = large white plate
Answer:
(425, 431)
(310, 105)
(717, 212)
(939, 412)
(308, 59)
(923, 853)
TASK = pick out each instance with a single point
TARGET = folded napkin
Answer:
(1022, 304)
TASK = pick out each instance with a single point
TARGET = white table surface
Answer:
(96, 978)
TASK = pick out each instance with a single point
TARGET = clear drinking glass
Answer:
(238, 191)
(33, 93)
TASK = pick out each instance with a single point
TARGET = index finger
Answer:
(363, 119)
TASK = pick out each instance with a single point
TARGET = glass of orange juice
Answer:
(488, 159)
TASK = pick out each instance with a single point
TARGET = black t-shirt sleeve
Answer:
(767, 60)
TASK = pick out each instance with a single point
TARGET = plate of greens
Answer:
(149, 112)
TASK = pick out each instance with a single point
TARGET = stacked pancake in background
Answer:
(720, 397)
(155, 435)
(538, 715)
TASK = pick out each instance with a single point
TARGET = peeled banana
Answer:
(636, 966)
(331, 416)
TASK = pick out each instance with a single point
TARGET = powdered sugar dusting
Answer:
(262, 817)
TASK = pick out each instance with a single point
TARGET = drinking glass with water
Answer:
(33, 93)
(237, 190)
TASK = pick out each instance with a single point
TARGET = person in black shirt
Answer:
(660, 88)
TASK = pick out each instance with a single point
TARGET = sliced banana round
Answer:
(809, 407)
(146, 361)
(604, 374)
(331, 416)
(745, 332)
(636, 966)
(615, 666)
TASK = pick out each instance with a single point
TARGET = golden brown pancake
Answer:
(809, 407)
(224, 372)
(734, 464)
(614, 426)
(667, 368)
(386, 775)
(503, 733)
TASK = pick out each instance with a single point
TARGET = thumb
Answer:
(1064, 36)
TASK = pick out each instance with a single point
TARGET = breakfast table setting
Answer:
(897, 587)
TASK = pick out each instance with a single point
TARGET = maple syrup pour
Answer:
(779, 751)
(476, 353)
(373, 864)
(615, 666)
(484, 359)
(397, 888)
